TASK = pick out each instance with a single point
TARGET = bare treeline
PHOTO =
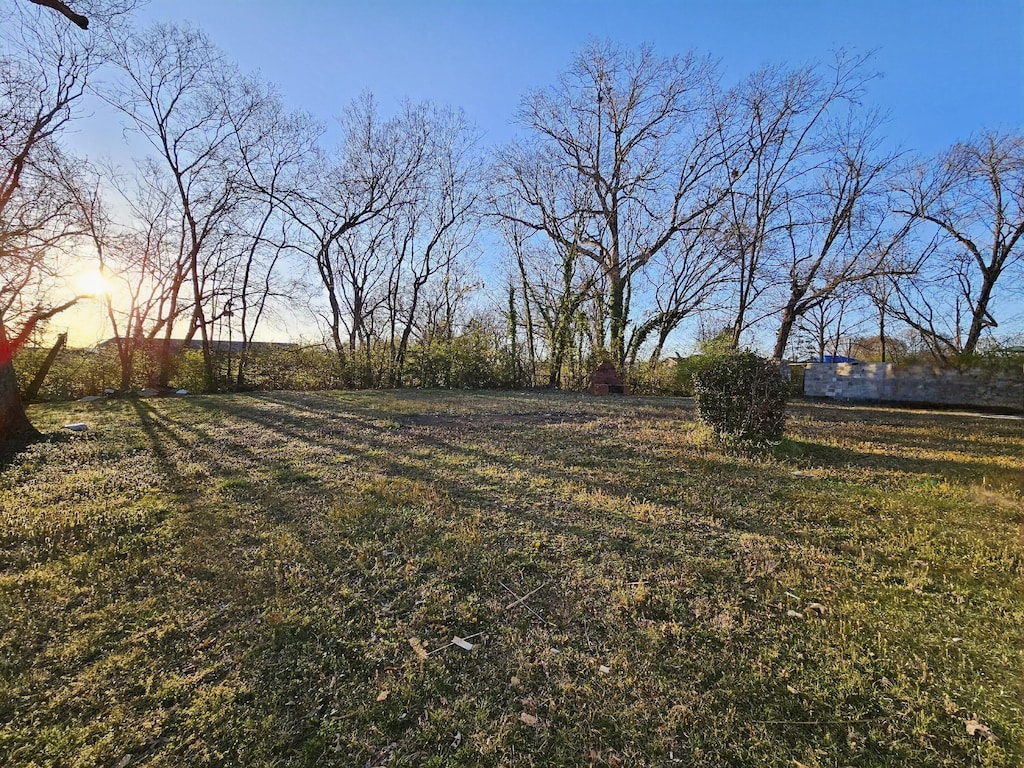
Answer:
(643, 197)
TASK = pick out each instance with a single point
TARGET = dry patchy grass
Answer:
(235, 581)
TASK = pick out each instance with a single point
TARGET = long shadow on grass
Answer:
(968, 469)
(475, 477)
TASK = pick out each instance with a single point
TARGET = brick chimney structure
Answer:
(605, 381)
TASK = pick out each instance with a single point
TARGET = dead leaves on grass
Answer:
(975, 728)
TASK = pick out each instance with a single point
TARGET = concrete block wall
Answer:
(918, 384)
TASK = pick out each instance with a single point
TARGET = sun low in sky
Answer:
(93, 284)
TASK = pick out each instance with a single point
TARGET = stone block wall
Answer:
(918, 384)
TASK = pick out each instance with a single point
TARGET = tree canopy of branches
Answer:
(968, 208)
(639, 196)
(620, 157)
(43, 72)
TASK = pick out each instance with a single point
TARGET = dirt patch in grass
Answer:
(237, 580)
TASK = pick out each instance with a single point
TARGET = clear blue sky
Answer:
(949, 69)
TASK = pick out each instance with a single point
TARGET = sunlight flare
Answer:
(94, 284)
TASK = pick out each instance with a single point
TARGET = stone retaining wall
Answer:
(918, 384)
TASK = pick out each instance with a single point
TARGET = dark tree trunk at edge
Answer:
(14, 423)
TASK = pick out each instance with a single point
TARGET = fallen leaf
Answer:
(418, 648)
(383, 695)
(527, 719)
(515, 682)
(974, 728)
(791, 689)
(614, 761)
(604, 670)
(816, 608)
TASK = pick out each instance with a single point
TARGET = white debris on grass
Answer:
(78, 426)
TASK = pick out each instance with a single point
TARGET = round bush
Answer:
(742, 396)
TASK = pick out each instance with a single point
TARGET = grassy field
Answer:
(276, 579)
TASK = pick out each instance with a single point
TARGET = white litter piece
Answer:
(181, 392)
(794, 614)
(462, 643)
(109, 391)
(604, 669)
(78, 426)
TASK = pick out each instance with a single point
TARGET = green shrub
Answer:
(742, 396)
(709, 352)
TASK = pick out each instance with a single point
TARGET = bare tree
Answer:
(43, 71)
(141, 256)
(273, 146)
(681, 280)
(968, 205)
(782, 118)
(437, 223)
(839, 230)
(627, 141)
(367, 181)
(822, 328)
(190, 103)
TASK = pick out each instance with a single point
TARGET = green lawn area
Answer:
(235, 580)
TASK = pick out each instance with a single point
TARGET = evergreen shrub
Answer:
(742, 397)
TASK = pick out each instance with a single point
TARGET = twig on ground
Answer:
(521, 600)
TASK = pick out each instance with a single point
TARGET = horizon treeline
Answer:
(643, 201)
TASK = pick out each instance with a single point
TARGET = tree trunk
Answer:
(881, 333)
(14, 424)
(782, 340)
(33, 389)
(617, 321)
(980, 319)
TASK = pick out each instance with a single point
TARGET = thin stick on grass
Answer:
(818, 722)
(521, 600)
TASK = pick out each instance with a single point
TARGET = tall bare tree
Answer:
(438, 222)
(968, 205)
(628, 141)
(782, 117)
(839, 228)
(44, 67)
(364, 184)
(274, 147)
(190, 103)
